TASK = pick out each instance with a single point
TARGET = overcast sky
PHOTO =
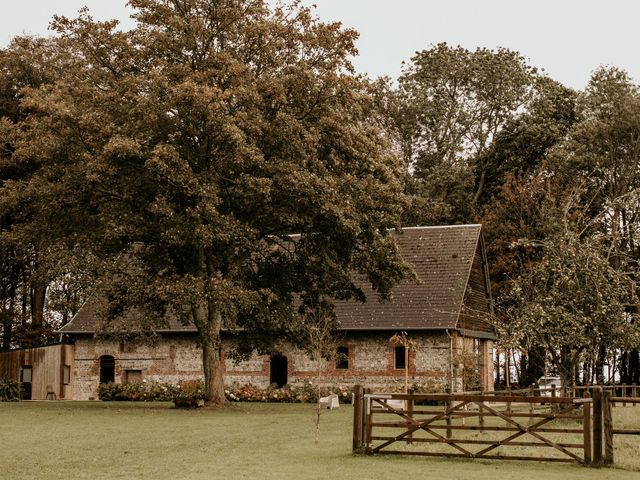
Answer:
(567, 38)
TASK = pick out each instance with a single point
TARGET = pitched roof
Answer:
(441, 258)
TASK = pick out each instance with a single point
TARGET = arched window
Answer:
(400, 357)
(107, 369)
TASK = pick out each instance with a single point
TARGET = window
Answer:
(25, 373)
(67, 375)
(342, 358)
(400, 357)
(131, 376)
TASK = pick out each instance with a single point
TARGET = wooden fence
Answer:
(609, 401)
(557, 429)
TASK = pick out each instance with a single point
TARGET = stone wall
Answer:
(371, 362)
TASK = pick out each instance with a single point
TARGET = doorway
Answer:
(107, 369)
(279, 366)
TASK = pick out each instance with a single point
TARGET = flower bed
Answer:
(191, 393)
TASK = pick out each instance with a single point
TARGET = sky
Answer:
(568, 39)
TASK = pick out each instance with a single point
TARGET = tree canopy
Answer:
(186, 153)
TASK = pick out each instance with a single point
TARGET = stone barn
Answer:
(444, 315)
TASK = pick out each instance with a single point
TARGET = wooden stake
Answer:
(597, 425)
(358, 413)
(586, 426)
(608, 428)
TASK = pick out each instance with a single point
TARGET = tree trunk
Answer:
(624, 368)
(634, 367)
(8, 320)
(602, 356)
(38, 294)
(7, 329)
(535, 365)
(208, 321)
(476, 196)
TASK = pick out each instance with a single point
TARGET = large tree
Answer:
(601, 152)
(186, 153)
(26, 63)
(450, 105)
(571, 300)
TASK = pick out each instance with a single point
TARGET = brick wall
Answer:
(174, 358)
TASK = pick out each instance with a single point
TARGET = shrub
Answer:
(305, 393)
(9, 390)
(189, 394)
(136, 392)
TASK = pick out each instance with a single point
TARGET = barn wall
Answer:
(47, 369)
(175, 358)
(476, 355)
(477, 299)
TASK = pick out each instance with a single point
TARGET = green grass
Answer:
(95, 440)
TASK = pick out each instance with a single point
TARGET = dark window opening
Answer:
(67, 375)
(107, 369)
(342, 359)
(26, 374)
(279, 366)
(400, 357)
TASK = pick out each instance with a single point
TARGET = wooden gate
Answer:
(474, 426)
(607, 422)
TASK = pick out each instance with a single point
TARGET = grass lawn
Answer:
(97, 440)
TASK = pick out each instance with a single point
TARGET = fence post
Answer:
(586, 427)
(410, 412)
(554, 394)
(481, 410)
(367, 421)
(358, 413)
(597, 425)
(634, 392)
(447, 405)
(624, 393)
(608, 428)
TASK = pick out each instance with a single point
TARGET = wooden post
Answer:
(608, 428)
(597, 425)
(367, 422)
(406, 368)
(532, 393)
(554, 394)
(481, 410)
(586, 427)
(634, 392)
(448, 405)
(410, 413)
(358, 414)
(623, 392)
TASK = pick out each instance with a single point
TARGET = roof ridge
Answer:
(425, 227)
